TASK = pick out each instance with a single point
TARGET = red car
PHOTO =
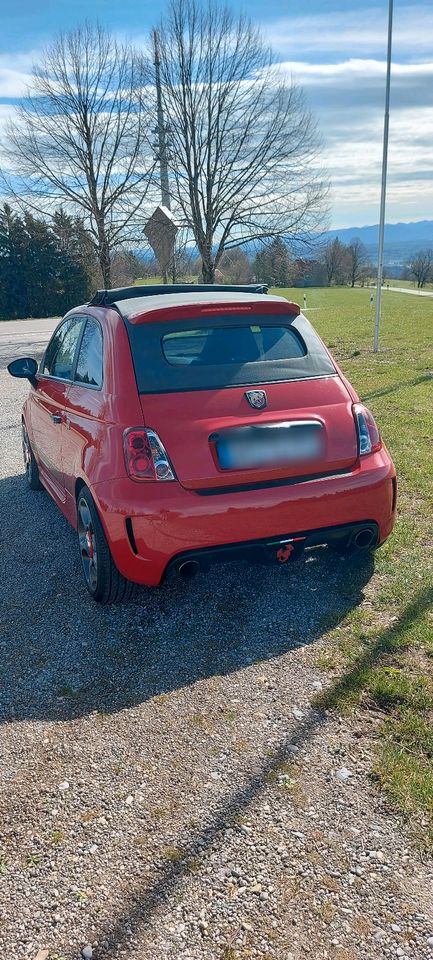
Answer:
(179, 426)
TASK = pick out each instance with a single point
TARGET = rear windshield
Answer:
(224, 346)
(171, 356)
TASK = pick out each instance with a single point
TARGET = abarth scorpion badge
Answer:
(257, 399)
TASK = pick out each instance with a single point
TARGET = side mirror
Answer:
(25, 368)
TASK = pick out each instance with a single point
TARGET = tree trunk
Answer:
(106, 271)
(105, 265)
(208, 270)
(104, 255)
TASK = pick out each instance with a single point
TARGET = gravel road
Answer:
(415, 293)
(168, 790)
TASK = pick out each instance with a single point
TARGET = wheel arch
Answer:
(81, 482)
(78, 486)
(25, 422)
(106, 584)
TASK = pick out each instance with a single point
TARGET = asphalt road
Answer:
(22, 338)
(167, 787)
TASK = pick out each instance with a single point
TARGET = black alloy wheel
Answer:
(103, 580)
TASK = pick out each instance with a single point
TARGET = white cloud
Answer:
(339, 58)
(360, 32)
(15, 73)
(347, 98)
(355, 69)
(13, 83)
(7, 111)
(354, 163)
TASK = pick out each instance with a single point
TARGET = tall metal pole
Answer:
(383, 191)
(161, 131)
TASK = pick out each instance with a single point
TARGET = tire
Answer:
(30, 465)
(103, 580)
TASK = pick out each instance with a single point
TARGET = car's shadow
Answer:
(64, 656)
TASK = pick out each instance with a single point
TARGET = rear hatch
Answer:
(242, 396)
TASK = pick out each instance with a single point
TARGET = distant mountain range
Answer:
(402, 240)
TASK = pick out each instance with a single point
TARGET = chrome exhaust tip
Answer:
(363, 539)
(188, 569)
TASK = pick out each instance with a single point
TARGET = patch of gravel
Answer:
(167, 787)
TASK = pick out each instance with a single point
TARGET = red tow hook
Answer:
(286, 550)
(284, 553)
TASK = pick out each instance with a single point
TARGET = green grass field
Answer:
(381, 658)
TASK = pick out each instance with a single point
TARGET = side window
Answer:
(89, 363)
(59, 357)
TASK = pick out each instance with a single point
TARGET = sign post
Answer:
(161, 230)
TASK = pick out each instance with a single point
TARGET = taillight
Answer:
(369, 438)
(145, 455)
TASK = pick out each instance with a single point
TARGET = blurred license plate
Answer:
(270, 445)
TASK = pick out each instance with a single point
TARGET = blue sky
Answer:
(335, 49)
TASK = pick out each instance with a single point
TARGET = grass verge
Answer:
(381, 657)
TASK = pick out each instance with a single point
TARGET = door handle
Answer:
(56, 418)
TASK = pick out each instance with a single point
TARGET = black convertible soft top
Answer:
(155, 374)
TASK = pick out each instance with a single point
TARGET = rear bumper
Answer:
(150, 526)
(278, 549)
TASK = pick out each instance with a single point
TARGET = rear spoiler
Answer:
(186, 311)
(105, 298)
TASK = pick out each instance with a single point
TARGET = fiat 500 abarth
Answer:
(179, 426)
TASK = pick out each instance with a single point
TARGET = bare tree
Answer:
(357, 259)
(334, 259)
(186, 264)
(242, 143)
(78, 138)
(421, 267)
(235, 266)
(126, 267)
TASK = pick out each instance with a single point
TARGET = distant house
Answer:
(309, 273)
